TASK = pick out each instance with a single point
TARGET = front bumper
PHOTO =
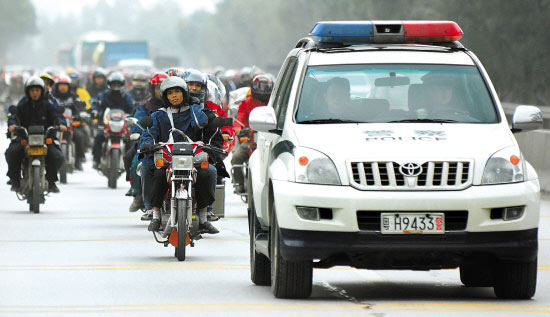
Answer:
(373, 250)
(345, 201)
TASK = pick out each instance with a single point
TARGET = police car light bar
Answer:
(386, 32)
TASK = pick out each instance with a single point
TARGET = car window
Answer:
(395, 92)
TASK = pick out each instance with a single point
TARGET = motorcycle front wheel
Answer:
(182, 228)
(36, 190)
(112, 173)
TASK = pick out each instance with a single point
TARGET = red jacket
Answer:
(245, 108)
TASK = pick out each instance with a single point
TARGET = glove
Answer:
(135, 137)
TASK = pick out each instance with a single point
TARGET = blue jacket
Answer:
(109, 99)
(144, 110)
(189, 121)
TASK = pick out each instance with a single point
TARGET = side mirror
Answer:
(131, 121)
(526, 118)
(146, 122)
(263, 119)
(60, 110)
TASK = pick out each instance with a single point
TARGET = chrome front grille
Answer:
(435, 175)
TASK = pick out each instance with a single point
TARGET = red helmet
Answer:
(262, 84)
(155, 81)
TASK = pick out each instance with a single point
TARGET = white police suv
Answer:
(384, 146)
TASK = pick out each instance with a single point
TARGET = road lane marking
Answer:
(116, 240)
(279, 307)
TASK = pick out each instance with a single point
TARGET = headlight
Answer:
(183, 162)
(314, 167)
(505, 166)
(116, 126)
(36, 139)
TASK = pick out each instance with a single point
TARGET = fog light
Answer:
(513, 213)
(308, 213)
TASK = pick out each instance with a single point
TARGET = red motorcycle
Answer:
(115, 131)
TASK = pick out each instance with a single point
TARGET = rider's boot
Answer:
(78, 164)
(15, 185)
(52, 188)
(154, 225)
(137, 203)
(207, 227)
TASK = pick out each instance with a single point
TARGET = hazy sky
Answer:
(53, 8)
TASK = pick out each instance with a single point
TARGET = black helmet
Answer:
(114, 78)
(100, 72)
(173, 82)
(262, 85)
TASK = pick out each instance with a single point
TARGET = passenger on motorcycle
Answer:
(211, 133)
(188, 118)
(48, 83)
(262, 84)
(34, 109)
(113, 98)
(142, 187)
(73, 106)
(81, 92)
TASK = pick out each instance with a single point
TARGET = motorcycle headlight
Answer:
(505, 166)
(314, 167)
(116, 126)
(183, 162)
(36, 139)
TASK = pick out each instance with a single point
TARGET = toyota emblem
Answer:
(410, 169)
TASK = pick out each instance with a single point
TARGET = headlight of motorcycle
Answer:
(505, 166)
(314, 167)
(182, 162)
(36, 139)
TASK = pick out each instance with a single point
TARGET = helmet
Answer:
(218, 83)
(155, 81)
(139, 80)
(173, 82)
(70, 70)
(34, 81)
(195, 76)
(214, 93)
(47, 77)
(115, 77)
(262, 85)
(100, 72)
(174, 72)
(75, 78)
(61, 79)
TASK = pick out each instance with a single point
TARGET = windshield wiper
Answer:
(328, 121)
(425, 120)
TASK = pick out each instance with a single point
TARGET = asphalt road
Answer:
(85, 254)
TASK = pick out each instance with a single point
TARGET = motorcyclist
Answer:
(73, 106)
(262, 84)
(76, 88)
(188, 118)
(98, 85)
(139, 91)
(34, 109)
(142, 187)
(113, 98)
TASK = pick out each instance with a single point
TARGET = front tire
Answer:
(289, 279)
(515, 279)
(63, 168)
(182, 228)
(260, 266)
(112, 173)
(36, 190)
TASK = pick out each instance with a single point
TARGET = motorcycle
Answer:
(33, 166)
(247, 140)
(178, 214)
(111, 163)
(67, 147)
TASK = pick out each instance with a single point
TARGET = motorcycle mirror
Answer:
(12, 109)
(60, 110)
(131, 121)
(146, 122)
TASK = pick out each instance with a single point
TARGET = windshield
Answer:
(394, 93)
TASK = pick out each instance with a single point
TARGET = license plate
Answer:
(412, 223)
(34, 151)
